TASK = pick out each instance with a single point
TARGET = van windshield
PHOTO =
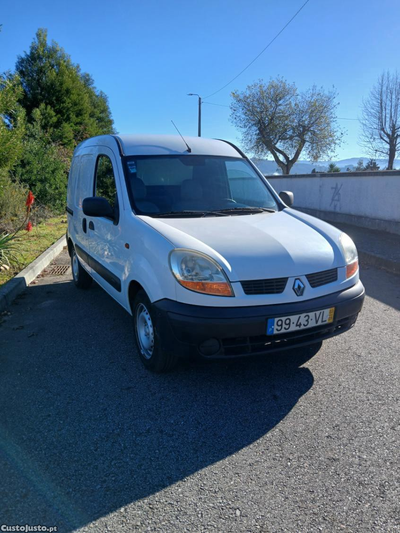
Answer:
(195, 185)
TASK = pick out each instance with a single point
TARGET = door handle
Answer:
(91, 225)
(84, 225)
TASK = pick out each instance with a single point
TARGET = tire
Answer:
(148, 343)
(81, 278)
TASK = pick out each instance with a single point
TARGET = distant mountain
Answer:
(270, 168)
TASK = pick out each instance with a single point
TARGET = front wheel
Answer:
(81, 278)
(148, 343)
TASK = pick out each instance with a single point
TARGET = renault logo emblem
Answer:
(298, 287)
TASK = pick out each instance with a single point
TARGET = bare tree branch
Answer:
(274, 118)
(381, 118)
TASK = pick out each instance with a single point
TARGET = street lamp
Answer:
(199, 121)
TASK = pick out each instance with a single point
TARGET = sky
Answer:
(147, 55)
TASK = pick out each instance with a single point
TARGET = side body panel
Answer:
(106, 247)
(117, 254)
(79, 188)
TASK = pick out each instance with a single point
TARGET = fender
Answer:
(155, 284)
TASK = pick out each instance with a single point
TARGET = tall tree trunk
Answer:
(287, 164)
(290, 166)
(281, 164)
(286, 169)
(392, 155)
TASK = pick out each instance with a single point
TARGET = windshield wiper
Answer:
(189, 213)
(216, 212)
(247, 210)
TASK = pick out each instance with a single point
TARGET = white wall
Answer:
(367, 199)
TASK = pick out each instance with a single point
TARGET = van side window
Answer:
(72, 178)
(105, 180)
(83, 178)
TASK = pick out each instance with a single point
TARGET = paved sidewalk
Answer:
(377, 248)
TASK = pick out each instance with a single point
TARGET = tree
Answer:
(12, 130)
(372, 165)
(12, 121)
(50, 79)
(333, 168)
(360, 165)
(381, 118)
(274, 117)
(62, 108)
(44, 164)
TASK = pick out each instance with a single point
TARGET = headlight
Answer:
(198, 272)
(350, 254)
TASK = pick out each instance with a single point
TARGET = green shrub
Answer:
(12, 203)
(44, 172)
(9, 253)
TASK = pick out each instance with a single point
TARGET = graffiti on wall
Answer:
(336, 196)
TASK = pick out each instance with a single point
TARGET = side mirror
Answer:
(95, 206)
(287, 197)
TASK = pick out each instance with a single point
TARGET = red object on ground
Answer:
(29, 226)
(30, 199)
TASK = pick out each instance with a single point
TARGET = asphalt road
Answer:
(301, 441)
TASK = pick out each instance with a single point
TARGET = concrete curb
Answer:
(15, 286)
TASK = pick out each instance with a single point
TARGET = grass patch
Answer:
(32, 244)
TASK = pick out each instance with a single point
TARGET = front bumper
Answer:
(216, 332)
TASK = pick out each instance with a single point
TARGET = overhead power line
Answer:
(223, 105)
(219, 105)
(262, 51)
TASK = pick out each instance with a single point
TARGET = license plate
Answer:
(286, 324)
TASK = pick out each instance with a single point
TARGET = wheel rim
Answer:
(144, 331)
(75, 265)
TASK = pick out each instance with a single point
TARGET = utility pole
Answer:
(199, 118)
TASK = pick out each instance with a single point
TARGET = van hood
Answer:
(267, 245)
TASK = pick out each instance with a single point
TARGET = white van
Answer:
(190, 238)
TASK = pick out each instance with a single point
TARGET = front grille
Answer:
(277, 285)
(264, 286)
(322, 278)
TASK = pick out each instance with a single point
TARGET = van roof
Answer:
(163, 145)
